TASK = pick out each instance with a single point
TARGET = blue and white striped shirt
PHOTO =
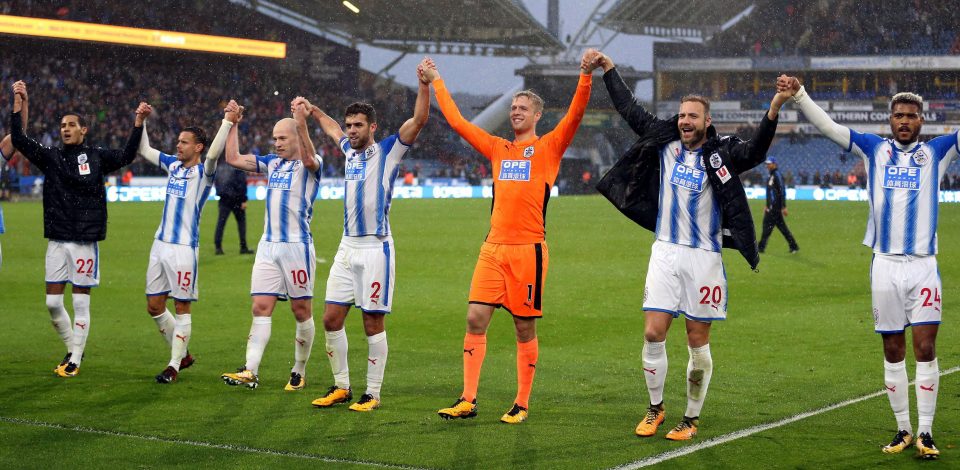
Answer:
(291, 190)
(689, 214)
(903, 183)
(369, 176)
(187, 192)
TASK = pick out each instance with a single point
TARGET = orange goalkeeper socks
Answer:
(474, 350)
(527, 354)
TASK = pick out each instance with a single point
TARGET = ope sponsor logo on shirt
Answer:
(355, 170)
(177, 187)
(687, 177)
(515, 170)
(901, 177)
(280, 180)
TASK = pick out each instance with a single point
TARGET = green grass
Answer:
(799, 336)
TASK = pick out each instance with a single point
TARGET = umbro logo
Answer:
(928, 389)
(469, 351)
(651, 371)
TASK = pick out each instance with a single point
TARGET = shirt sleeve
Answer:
(946, 146)
(166, 161)
(865, 143)
(263, 162)
(563, 134)
(477, 137)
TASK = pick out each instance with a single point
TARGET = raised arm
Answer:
(421, 110)
(149, 153)
(477, 137)
(6, 144)
(629, 107)
(748, 154)
(31, 149)
(247, 162)
(216, 148)
(815, 114)
(568, 125)
(308, 152)
(329, 125)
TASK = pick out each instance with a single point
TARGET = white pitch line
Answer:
(663, 457)
(208, 445)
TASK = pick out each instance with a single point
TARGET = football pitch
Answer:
(798, 339)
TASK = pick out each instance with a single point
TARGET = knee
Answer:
(926, 351)
(262, 309)
(332, 321)
(155, 310)
(54, 302)
(654, 334)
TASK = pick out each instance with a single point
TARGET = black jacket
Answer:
(776, 193)
(231, 184)
(633, 183)
(74, 197)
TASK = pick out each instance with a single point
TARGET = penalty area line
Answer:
(713, 442)
(207, 445)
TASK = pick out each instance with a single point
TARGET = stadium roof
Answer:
(669, 18)
(468, 27)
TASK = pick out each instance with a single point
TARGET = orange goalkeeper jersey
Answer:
(523, 172)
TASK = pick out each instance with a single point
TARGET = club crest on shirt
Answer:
(715, 161)
(369, 153)
(528, 152)
(82, 158)
(920, 158)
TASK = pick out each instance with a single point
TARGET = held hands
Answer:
(427, 70)
(19, 95)
(233, 112)
(786, 84)
(143, 112)
(590, 60)
(301, 109)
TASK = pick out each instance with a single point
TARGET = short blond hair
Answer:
(699, 99)
(537, 100)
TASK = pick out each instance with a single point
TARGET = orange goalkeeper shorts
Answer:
(512, 277)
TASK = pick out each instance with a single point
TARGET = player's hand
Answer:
(766, 209)
(787, 84)
(144, 110)
(429, 69)
(604, 61)
(300, 101)
(233, 112)
(421, 69)
(243, 206)
(20, 89)
(590, 60)
(784, 211)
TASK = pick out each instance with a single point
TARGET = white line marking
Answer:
(663, 457)
(208, 445)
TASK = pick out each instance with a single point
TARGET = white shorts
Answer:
(906, 291)
(73, 262)
(284, 270)
(363, 274)
(685, 280)
(172, 271)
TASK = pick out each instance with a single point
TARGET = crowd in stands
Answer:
(105, 83)
(840, 27)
